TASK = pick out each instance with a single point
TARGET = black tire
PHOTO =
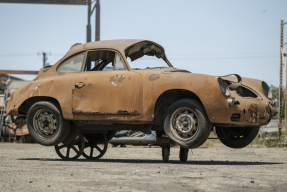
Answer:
(165, 154)
(91, 148)
(111, 134)
(236, 137)
(5, 131)
(37, 126)
(64, 151)
(196, 115)
(183, 154)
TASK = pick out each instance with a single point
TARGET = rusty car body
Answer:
(95, 88)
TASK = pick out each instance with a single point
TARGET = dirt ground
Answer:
(32, 167)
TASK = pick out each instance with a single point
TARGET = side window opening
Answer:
(73, 64)
(119, 62)
(104, 61)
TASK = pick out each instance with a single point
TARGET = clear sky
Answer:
(215, 37)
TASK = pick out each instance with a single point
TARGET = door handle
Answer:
(79, 85)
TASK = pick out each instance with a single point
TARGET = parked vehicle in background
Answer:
(270, 130)
(12, 127)
(133, 137)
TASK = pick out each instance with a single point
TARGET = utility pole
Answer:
(44, 58)
(98, 20)
(89, 38)
(281, 68)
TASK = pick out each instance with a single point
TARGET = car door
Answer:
(107, 95)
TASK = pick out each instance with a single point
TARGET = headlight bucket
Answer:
(266, 90)
(223, 87)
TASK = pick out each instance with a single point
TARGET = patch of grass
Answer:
(269, 141)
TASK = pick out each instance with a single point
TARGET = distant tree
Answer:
(275, 92)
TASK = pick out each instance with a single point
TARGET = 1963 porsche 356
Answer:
(101, 87)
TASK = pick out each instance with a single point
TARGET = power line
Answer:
(18, 55)
(209, 58)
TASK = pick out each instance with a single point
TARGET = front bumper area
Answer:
(248, 112)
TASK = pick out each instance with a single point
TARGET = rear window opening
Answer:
(146, 55)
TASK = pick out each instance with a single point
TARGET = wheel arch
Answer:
(27, 104)
(167, 98)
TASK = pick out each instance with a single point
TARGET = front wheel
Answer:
(46, 124)
(187, 124)
(236, 137)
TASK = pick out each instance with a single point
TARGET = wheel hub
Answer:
(185, 124)
(45, 123)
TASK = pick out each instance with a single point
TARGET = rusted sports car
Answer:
(100, 87)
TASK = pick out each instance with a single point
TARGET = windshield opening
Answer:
(146, 55)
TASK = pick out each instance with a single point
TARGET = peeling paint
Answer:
(252, 111)
(153, 77)
(78, 97)
(121, 78)
(120, 112)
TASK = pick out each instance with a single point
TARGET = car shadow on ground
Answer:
(146, 161)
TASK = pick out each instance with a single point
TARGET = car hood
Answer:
(254, 84)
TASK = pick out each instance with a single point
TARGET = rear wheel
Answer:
(236, 137)
(187, 124)
(46, 124)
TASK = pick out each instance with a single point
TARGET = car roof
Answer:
(117, 44)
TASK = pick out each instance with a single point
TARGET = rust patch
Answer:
(46, 69)
(121, 78)
(81, 112)
(253, 113)
(125, 112)
(120, 112)
(163, 140)
(153, 77)
(78, 97)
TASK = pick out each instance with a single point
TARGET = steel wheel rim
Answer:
(45, 123)
(184, 123)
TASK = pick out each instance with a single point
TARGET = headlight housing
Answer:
(266, 90)
(223, 87)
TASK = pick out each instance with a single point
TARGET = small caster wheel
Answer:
(165, 154)
(77, 145)
(183, 154)
(96, 146)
